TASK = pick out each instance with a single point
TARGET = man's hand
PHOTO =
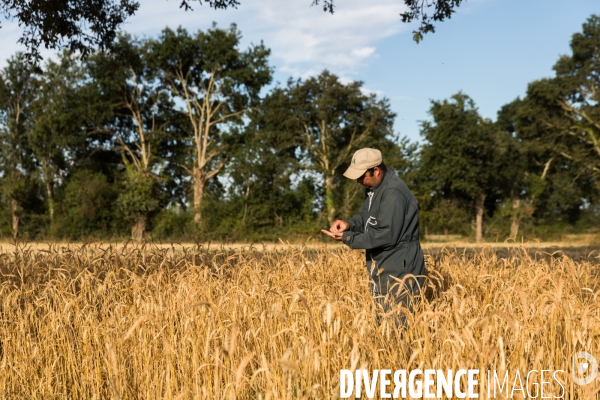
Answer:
(336, 230)
(334, 235)
(339, 226)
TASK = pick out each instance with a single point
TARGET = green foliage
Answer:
(140, 196)
(279, 211)
(262, 169)
(17, 164)
(459, 159)
(86, 208)
(82, 25)
(76, 25)
(33, 219)
(217, 84)
(560, 119)
(329, 121)
(444, 216)
(459, 149)
(173, 224)
(443, 9)
(107, 147)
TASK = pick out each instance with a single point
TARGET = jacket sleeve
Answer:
(386, 229)
(356, 223)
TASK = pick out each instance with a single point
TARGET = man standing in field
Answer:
(387, 227)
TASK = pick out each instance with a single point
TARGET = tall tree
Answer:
(459, 154)
(217, 84)
(141, 121)
(552, 156)
(331, 120)
(262, 172)
(17, 91)
(262, 167)
(514, 157)
(577, 91)
(58, 124)
(560, 122)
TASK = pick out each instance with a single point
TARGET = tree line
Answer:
(184, 137)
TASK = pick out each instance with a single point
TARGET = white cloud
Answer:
(367, 91)
(303, 39)
(307, 37)
(363, 52)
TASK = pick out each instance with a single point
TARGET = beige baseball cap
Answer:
(362, 160)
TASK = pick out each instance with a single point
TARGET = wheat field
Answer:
(145, 322)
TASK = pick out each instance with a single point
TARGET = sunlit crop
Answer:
(143, 322)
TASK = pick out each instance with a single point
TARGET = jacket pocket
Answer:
(398, 264)
(390, 270)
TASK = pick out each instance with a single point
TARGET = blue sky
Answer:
(490, 49)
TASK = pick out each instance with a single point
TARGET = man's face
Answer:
(371, 180)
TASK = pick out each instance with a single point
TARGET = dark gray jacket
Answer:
(387, 226)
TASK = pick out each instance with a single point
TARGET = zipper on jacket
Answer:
(369, 219)
(366, 225)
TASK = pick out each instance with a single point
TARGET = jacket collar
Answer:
(383, 183)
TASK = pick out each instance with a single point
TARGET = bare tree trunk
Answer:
(278, 219)
(50, 201)
(246, 200)
(15, 217)
(479, 203)
(329, 189)
(198, 193)
(514, 226)
(350, 193)
(139, 228)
